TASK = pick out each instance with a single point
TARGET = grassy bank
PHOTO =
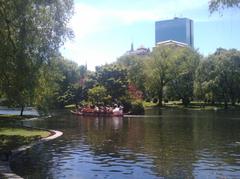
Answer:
(194, 105)
(24, 132)
(13, 136)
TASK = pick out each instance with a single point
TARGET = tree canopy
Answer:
(218, 5)
(31, 32)
(218, 77)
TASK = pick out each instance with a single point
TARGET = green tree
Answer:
(31, 33)
(98, 95)
(159, 70)
(205, 86)
(228, 73)
(70, 87)
(135, 66)
(60, 83)
(48, 86)
(217, 5)
(222, 78)
(114, 79)
(182, 84)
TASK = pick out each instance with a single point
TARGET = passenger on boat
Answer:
(117, 111)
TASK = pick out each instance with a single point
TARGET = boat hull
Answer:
(96, 114)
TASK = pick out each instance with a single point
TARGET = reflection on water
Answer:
(176, 144)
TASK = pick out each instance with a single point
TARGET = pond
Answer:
(162, 144)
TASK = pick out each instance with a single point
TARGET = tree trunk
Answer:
(233, 102)
(225, 104)
(185, 101)
(22, 109)
(160, 97)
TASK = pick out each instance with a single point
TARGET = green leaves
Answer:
(98, 94)
(218, 5)
(114, 79)
(171, 70)
(218, 77)
(31, 32)
(182, 84)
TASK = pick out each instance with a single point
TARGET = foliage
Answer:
(182, 84)
(58, 84)
(98, 94)
(48, 86)
(126, 103)
(204, 86)
(135, 66)
(217, 5)
(134, 92)
(159, 69)
(220, 81)
(114, 79)
(69, 85)
(147, 104)
(34, 73)
(137, 107)
(31, 33)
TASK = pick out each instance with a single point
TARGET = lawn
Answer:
(194, 105)
(24, 132)
(12, 136)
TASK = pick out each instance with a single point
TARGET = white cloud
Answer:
(90, 19)
(85, 54)
(86, 20)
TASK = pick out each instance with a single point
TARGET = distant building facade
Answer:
(174, 30)
(141, 51)
(172, 43)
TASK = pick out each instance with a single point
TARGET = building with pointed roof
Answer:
(141, 51)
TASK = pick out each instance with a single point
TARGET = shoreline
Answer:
(192, 106)
(5, 170)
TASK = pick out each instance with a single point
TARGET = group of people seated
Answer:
(94, 109)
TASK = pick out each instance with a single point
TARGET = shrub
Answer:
(126, 102)
(148, 100)
(155, 100)
(165, 100)
(137, 107)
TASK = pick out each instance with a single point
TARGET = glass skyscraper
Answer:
(177, 29)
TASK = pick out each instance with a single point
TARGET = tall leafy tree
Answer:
(48, 85)
(70, 87)
(114, 79)
(205, 86)
(159, 70)
(182, 84)
(228, 73)
(31, 32)
(135, 66)
(98, 95)
(222, 77)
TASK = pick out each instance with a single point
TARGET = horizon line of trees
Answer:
(169, 73)
(176, 73)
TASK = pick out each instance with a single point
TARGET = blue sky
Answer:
(104, 29)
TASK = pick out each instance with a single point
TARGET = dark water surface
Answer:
(174, 144)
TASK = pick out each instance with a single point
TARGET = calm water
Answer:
(165, 144)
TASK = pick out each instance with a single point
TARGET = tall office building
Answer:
(177, 29)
